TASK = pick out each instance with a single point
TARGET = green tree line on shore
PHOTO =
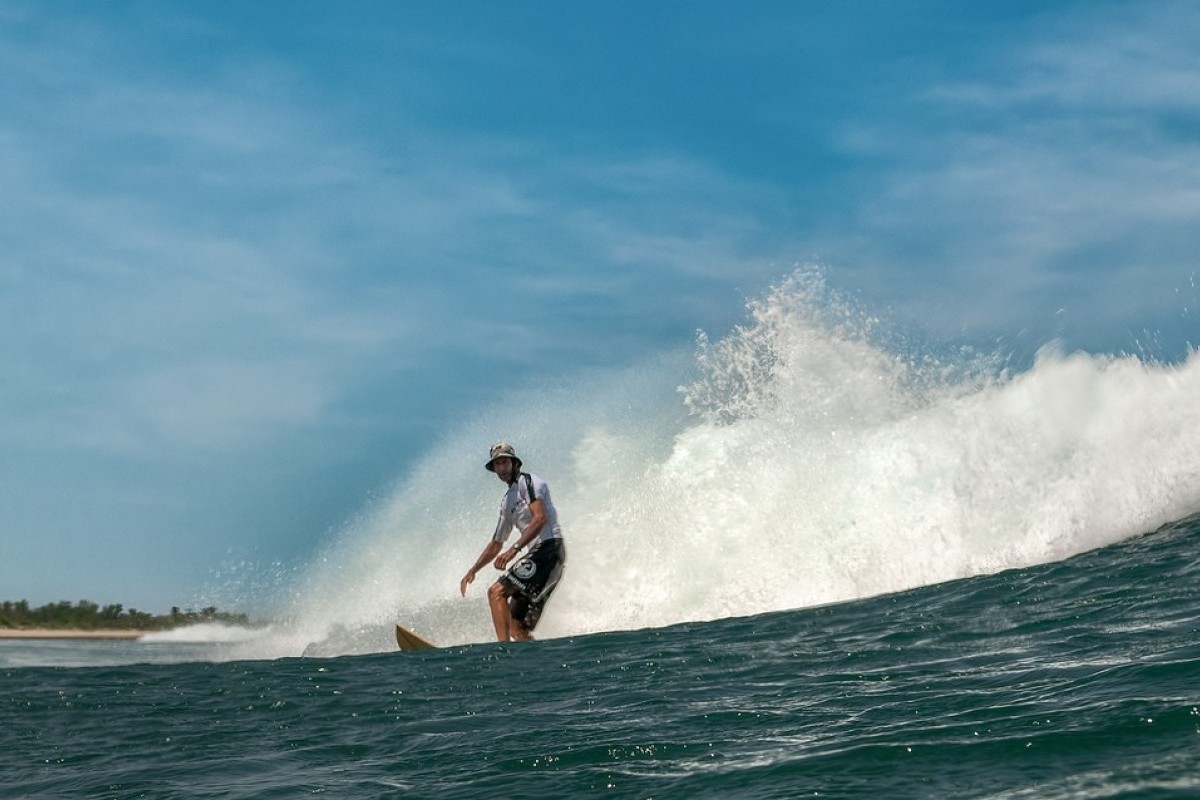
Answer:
(86, 615)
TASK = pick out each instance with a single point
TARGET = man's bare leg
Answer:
(501, 616)
(508, 627)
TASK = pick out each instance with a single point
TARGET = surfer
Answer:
(519, 596)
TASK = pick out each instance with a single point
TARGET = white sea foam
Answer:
(803, 462)
(205, 633)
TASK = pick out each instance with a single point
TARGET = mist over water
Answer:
(804, 458)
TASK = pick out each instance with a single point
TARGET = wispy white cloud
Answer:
(161, 297)
(1054, 177)
(182, 245)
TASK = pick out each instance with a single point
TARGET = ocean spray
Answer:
(807, 458)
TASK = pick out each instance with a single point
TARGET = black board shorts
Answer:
(532, 580)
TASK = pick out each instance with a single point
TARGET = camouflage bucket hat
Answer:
(501, 450)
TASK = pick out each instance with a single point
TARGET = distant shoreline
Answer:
(52, 633)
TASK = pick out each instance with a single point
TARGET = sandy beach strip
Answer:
(50, 633)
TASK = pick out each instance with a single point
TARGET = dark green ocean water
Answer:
(1075, 679)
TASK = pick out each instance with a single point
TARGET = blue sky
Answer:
(256, 257)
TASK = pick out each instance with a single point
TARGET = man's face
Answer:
(504, 468)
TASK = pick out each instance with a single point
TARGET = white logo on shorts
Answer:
(525, 569)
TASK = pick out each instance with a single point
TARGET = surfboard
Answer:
(407, 640)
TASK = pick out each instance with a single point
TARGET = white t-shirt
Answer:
(514, 510)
